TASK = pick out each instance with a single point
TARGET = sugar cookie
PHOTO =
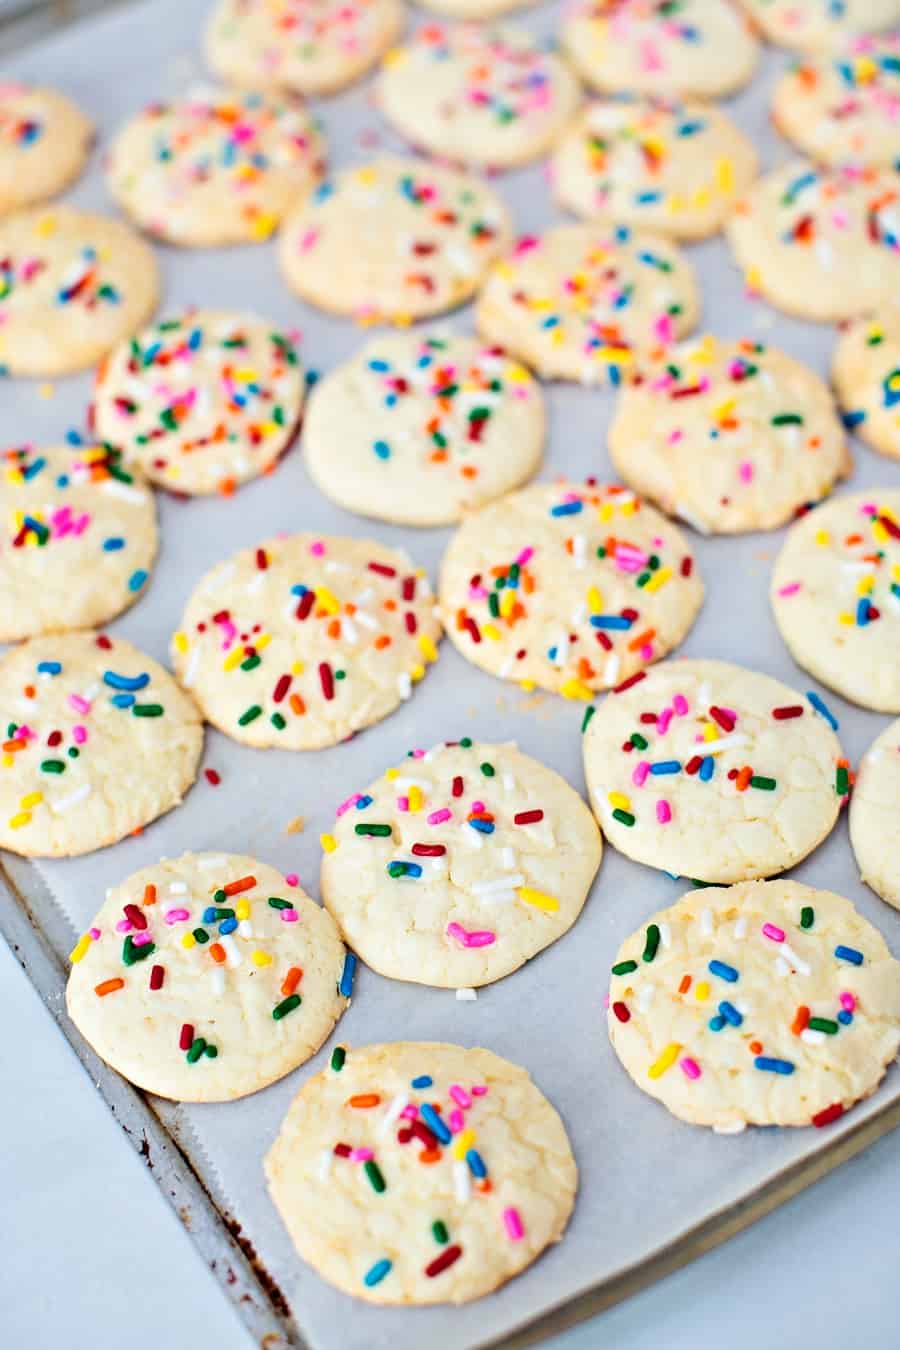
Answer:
(875, 815)
(45, 140)
(866, 375)
(818, 24)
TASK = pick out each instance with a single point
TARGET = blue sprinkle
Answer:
(74, 438)
(345, 988)
(707, 768)
(34, 469)
(623, 234)
(227, 926)
(610, 621)
(849, 954)
(122, 700)
(49, 667)
(113, 544)
(137, 579)
(567, 509)
(845, 1017)
(730, 1013)
(484, 826)
(195, 339)
(132, 682)
(299, 590)
(209, 914)
(380, 366)
(647, 198)
(723, 971)
(382, 449)
(862, 612)
(476, 1163)
(434, 1123)
(716, 1023)
(424, 1080)
(820, 708)
(773, 1065)
(853, 419)
(666, 766)
(375, 1274)
(364, 802)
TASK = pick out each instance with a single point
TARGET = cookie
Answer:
(701, 737)
(393, 240)
(670, 167)
(346, 1174)
(477, 95)
(305, 640)
(845, 106)
(875, 815)
(692, 47)
(569, 588)
(766, 1003)
(72, 285)
(459, 865)
(80, 539)
(99, 742)
(216, 167)
(578, 302)
(206, 977)
(729, 436)
(419, 429)
(836, 596)
(479, 10)
(820, 243)
(202, 402)
(865, 372)
(812, 25)
(45, 140)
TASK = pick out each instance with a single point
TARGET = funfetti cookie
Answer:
(836, 596)
(99, 742)
(306, 639)
(418, 429)
(821, 243)
(206, 977)
(393, 240)
(79, 539)
(875, 815)
(579, 302)
(816, 25)
(72, 285)
(713, 772)
(766, 1003)
(45, 140)
(567, 587)
(202, 402)
(728, 436)
(346, 1172)
(865, 372)
(459, 864)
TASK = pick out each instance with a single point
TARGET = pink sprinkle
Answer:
(418, 754)
(409, 1112)
(791, 589)
(460, 1096)
(646, 652)
(663, 811)
(662, 722)
(477, 808)
(95, 934)
(292, 879)
(141, 939)
(480, 1090)
(526, 244)
(402, 803)
(362, 1154)
(690, 1067)
(680, 704)
(308, 240)
(641, 769)
(345, 805)
(525, 556)
(177, 915)
(124, 926)
(456, 1121)
(745, 469)
(513, 1221)
(79, 734)
(438, 817)
(484, 938)
(289, 915)
(848, 1002)
(80, 704)
(770, 931)
(317, 548)
(675, 436)
(663, 328)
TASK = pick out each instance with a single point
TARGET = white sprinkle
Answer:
(740, 928)
(404, 685)
(802, 967)
(781, 967)
(665, 935)
(471, 837)
(462, 1185)
(508, 857)
(66, 803)
(466, 995)
(115, 489)
(245, 928)
(706, 922)
(232, 952)
(724, 743)
(497, 884)
(508, 782)
(812, 1037)
(191, 673)
(645, 997)
(732, 1127)
(178, 888)
(217, 981)
(393, 1112)
(325, 1160)
(611, 673)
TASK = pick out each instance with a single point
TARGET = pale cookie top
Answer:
(569, 588)
(418, 429)
(45, 140)
(820, 24)
(311, 46)
(347, 1177)
(680, 47)
(202, 402)
(305, 640)
(875, 815)
(477, 95)
(577, 302)
(729, 436)
(459, 864)
(72, 285)
(216, 167)
(844, 106)
(206, 977)
(394, 240)
(836, 596)
(767, 1003)
(713, 772)
(99, 742)
(821, 244)
(670, 167)
(866, 375)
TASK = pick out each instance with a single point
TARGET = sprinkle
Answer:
(548, 903)
(624, 968)
(109, 987)
(849, 954)
(443, 1262)
(338, 1056)
(651, 944)
(724, 972)
(286, 1006)
(821, 709)
(373, 1172)
(513, 1222)
(376, 1273)
(828, 1115)
(690, 1067)
(769, 1065)
(665, 1060)
(345, 988)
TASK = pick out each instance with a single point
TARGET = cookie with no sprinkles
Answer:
(202, 402)
(713, 772)
(815, 25)
(419, 429)
(206, 977)
(346, 1173)
(765, 1003)
(865, 372)
(567, 587)
(306, 639)
(728, 436)
(875, 815)
(99, 742)
(45, 140)
(836, 596)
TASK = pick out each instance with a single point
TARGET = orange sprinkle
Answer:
(228, 487)
(297, 704)
(11, 746)
(291, 980)
(109, 987)
(527, 583)
(29, 691)
(390, 604)
(382, 641)
(801, 1019)
(642, 639)
(742, 782)
(430, 1155)
(755, 1047)
(334, 628)
(469, 471)
(235, 887)
(217, 952)
(149, 894)
(485, 1186)
(363, 1100)
(685, 984)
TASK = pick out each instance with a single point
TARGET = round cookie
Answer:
(578, 302)
(477, 95)
(568, 588)
(418, 430)
(875, 815)
(72, 285)
(836, 596)
(206, 977)
(694, 47)
(865, 372)
(346, 1174)
(729, 436)
(305, 640)
(80, 539)
(459, 865)
(713, 772)
(766, 1003)
(393, 240)
(812, 25)
(670, 167)
(45, 140)
(100, 741)
(216, 168)
(203, 401)
(820, 244)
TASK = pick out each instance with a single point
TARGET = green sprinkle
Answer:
(219, 914)
(338, 1055)
(278, 721)
(466, 742)
(132, 954)
(787, 420)
(624, 967)
(210, 1051)
(823, 1024)
(219, 896)
(651, 943)
(807, 916)
(841, 782)
(623, 817)
(53, 766)
(765, 784)
(373, 1172)
(250, 715)
(439, 1231)
(643, 579)
(196, 1050)
(586, 720)
(287, 1005)
(251, 662)
(200, 935)
(638, 741)
(494, 605)
(277, 903)
(379, 831)
(147, 710)
(396, 869)
(487, 770)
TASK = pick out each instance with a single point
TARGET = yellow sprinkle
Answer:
(619, 801)
(260, 958)
(822, 537)
(573, 688)
(264, 224)
(31, 799)
(595, 601)
(489, 631)
(701, 197)
(628, 506)
(327, 600)
(548, 903)
(846, 619)
(665, 1061)
(79, 951)
(8, 761)
(427, 647)
(46, 226)
(659, 579)
(701, 993)
(262, 641)
(865, 585)
(724, 409)
(507, 603)
(234, 658)
(417, 673)
(395, 57)
(895, 572)
(328, 842)
(753, 278)
(297, 668)
(391, 774)
(180, 642)
(462, 1143)
(242, 910)
(724, 175)
(606, 511)
(414, 798)
(188, 941)
(528, 685)
(710, 733)
(879, 533)
(23, 818)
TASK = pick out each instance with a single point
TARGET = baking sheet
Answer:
(645, 1178)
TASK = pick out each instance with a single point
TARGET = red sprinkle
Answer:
(457, 786)
(186, 1039)
(136, 917)
(724, 719)
(630, 682)
(408, 589)
(444, 1261)
(687, 566)
(528, 817)
(382, 569)
(621, 1012)
(281, 688)
(428, 850)
(157, 975)
(307, 600)
(830, 1114)
(791, 710)
(326, 679)
(343, 1150)
(212, 777)
(262, 560)
(693, 764)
